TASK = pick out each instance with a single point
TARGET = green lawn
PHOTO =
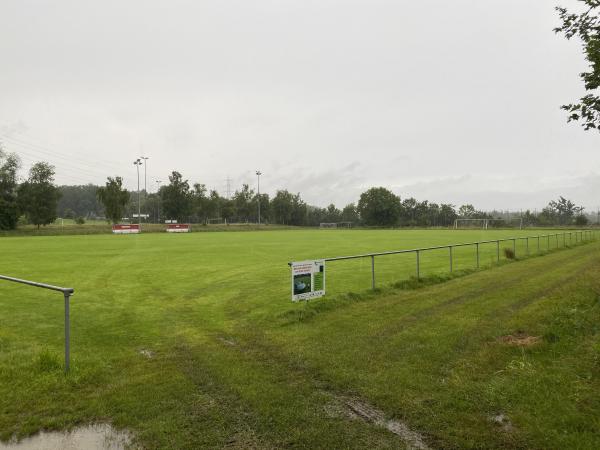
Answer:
(235, 364)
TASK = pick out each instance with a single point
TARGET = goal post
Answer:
(471, 223)
(335, 224)
(486, 223)
(328, 225)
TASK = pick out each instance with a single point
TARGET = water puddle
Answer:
(91, 437)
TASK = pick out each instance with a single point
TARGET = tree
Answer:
(265, 210)
(299, 211)
(562, 210)
(333, 214)
(447, 214)
(200, 202)
(379, 206)
(79, 201)
(467, 211)
(245, 209)
(586, 26)
(114, 198)
(350, 214)
(282, 206)
(176, 198)
(213, 205)
(9, 206)
(289, 209)
(38, 197)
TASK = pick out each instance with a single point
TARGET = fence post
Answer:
(515, 247)
(538, 244)
(548, 239)
(477, 245)
(527, 241)
(67, 332)
(497, 251)
(372, 272)
(450, 248)
(418, 268)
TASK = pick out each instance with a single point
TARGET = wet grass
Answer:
(191, 341)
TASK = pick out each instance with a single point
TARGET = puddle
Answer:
(91, 437)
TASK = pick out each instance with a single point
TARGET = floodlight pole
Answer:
(158, 199)
(137, 163)
(258, 174)
(145, 158)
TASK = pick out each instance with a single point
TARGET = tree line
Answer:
(34, 200)
(38, 201)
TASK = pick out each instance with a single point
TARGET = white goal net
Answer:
(471, 223)
(335, 225)
(328, 225)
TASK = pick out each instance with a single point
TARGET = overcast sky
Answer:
(451, 101)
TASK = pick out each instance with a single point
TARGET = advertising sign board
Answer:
(126, 229)
(308, 279)
(178, 228)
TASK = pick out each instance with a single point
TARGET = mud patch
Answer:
(227, 341)
(366, 412)
(502, 421)
(520, 339)
(147, 353)
(91, 437)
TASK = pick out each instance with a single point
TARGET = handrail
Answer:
(579, 234)
(40, 285)
(67, 292)
(463, 244)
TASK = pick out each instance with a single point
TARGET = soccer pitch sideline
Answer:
(191, 341)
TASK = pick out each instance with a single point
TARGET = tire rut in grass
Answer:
(474, 295)
(346, 405)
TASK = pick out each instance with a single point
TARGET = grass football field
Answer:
(191, 341)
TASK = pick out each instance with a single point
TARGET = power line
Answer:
(34, 158)
(34, 155)
(52, 152)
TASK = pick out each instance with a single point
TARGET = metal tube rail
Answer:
(580, 236)
(67, 293)
(439, 247)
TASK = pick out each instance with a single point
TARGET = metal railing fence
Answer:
(565, 238)
(67, 293)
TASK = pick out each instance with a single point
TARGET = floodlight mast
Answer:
(145, 158)
(138, 163)
(158, 200)
(258, 174)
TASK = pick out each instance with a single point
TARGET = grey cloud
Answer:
(411, 92)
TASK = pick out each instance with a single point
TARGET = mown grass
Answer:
(235, 364)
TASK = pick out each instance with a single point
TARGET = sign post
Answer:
(308, 279)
